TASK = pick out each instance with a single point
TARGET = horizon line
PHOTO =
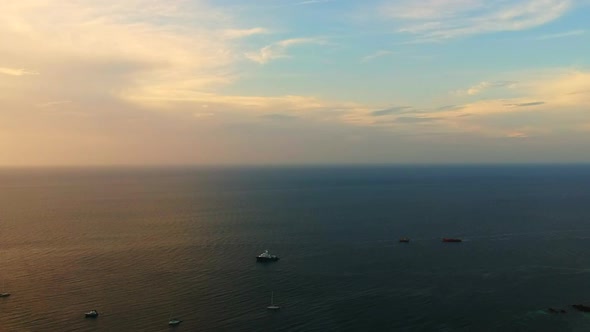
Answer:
(293, 165)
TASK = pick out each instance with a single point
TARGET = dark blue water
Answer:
(140, 245)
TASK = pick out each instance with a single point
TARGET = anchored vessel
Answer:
(266, 257)
(272, 305)
(91, 314)
(4, 294)
(446, 239)
(581, 307)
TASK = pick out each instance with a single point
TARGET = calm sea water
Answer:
(140, 245)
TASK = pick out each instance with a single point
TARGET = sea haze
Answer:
(142, 245)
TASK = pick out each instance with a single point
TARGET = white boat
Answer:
(174, 322)
(91, 314)
(4, 294)
(267, 257)
(272, 305)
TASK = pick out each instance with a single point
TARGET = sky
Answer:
(234, 82)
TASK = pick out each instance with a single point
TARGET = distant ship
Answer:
(266, 257)
(446, 239)
(91, 314)
(4, 294)
(581, 307)
(404, 240)
(272, 305)
(174, 322)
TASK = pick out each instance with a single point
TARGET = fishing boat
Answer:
(91, 314)
(446, 239)
(272, 305)
(581, 307)
(4, 294)
(266, 257)
(173, 321)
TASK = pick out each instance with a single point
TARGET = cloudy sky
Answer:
(100, 82)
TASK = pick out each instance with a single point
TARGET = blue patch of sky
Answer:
(413, 71)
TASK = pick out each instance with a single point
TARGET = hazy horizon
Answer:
(196, 82)
(299, 166)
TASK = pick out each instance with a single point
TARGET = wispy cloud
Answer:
(119, 49)
(517, 135)
(203, 114)
(482, 86)
(54, 103)
(542, 103)
(279, 49)
(528, 104)
(17, 71)
(376, 55)
(311, 2)
(279, 117)
(241, 33)
(415, 119)
(449, 107)
(443, 19)
(566, 89)
(392, 110)
(562, 34)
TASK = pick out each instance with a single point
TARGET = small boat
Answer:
(404, 240)
(272, 305)
(266, 257)
(91, 314)
(173, 321)
(4, 294)
(446, 239)
(581, 307)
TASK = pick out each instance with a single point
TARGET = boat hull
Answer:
(452, 240)
(266, 259)
(581, 307)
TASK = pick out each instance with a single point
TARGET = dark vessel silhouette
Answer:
(446, 239)
(581, 307)
(266, 257)
(91, 314)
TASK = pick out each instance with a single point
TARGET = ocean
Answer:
(141, 245)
